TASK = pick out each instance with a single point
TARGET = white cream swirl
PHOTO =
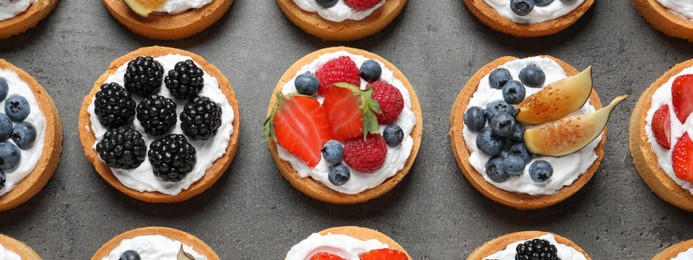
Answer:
(180, 6)
(10, 9)
(683, 8)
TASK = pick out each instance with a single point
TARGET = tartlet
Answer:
(664, 20)
(499, 243)
(170, 233)
(365, 234)
(28, 19)
(19, 248)
(674, 250)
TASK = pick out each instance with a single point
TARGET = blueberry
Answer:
(475, 119)
(518, 134)
(495, 170)
(371, 70)
(499, 77)
(9, 156)
(24, 134)
(130, 255)
(540, 171)
(496, 107)
(327, 3)
(513, 92)
(393, 135)
(333, 152)
(514, 165)
(3, 178)
(17, 108)
(489, 143)
(307, 83)
(5, 127)
(542, 3)
(4, 88)
(503, 124)
(339, 175)
(521, 151)
(532, 76)
(522, 7)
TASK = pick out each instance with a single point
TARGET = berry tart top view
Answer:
(660, 136)
(671, 17)
(155, 243)
(529, 133)
(161, 125)
(341, 20)
(30, 136)
(680, 251)
(344, 125)
(12, 249)
(167, 19)
(529, 245)
(17, 16)
(528, 18)
(347, 243)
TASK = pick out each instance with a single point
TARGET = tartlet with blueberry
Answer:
(671, 17)
(155, 243)
(348, 242)
(21, 15)
(161, 125)
(529, 245)
(11, 249)
(30, 136)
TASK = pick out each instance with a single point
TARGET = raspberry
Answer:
(390, 101)
(143, 76)
(200, 118)
(365, 155)
(122, 148)
(172, 157)
(185, 80)
(157, 114)
(361, 4)
(341, 69)
(114, 106)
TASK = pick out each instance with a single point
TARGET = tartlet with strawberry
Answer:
(660, 136)
(344, 125)
(347, 243)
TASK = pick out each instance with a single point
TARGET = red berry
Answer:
(343, 113)
(390, 101)
(384, 254)
(682, 158)
(361, 4)
(661, 126)
(365, 155)
(325, 256)
(682, 96)
(341, 69)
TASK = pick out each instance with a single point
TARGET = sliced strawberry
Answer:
(341, 69)
(350, 111)
(682, 159)
(325, 256)
(661, 126)
(384, 254)
(299, 124)
(682, 96)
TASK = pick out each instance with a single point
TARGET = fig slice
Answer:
(556, 100)
(144, 7)
(569, 134)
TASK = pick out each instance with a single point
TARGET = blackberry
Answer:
(200, 118)
(114, 106)
(143, 76)
(185, 80)
(122, 148)
(157, 114)
(172, 157)
(536, 249)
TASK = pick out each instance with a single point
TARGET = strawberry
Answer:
(661, 126)
(325, 256)
(384, 254)
(361, 4)
(390, 101)
(299, 124)
(351, 112)
(341, 69)
(682, 96)
(682, 159)
(365, 155)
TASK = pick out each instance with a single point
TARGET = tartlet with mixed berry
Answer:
(28, 14)
(342, 243)
(155, 243)
(529, 245)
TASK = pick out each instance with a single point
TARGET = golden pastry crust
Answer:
(512, 199)
(499, 244)
(173, 234)
(19, 248)
(348, 30)
(644, 157)
(27, 19)
(213, 173)
(674, 250)
(165, 26)
(489, 16)
(319, 191)
(663, 20)
(365, 234)
(52, 145)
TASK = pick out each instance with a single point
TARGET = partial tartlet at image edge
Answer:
(674, 250)
(19, 248)
(664, 20)
(176, 235)
(500, 243)
(27, 19)
(358, 233)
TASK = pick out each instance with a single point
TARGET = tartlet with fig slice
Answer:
(155, 243)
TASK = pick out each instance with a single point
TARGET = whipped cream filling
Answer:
(566, 169)
(11, 8)
(142, 178)
(153, 247)
(6, 254)
(337, 13)
(539, 14)
(30, 157)
(564, 252)
(661, 97)
(396, 157)
(180, 6)
(343, 246)
(682, 8)
(686, 255)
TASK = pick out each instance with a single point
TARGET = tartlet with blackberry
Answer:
(529, 245)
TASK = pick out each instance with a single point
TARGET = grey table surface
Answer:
(253, 213)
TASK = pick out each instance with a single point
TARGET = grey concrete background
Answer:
(253, 213)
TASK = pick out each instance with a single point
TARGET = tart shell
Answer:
(19, 247)
(644, 157)
(52, 145)
(213, 173)
(674, 250)
(174, 234)
(512, 199)
(365, 234)
(490, 17)
(348, 30)
(28, 19)
(664, 20)
(165, 26)
(499, 244)
(314, 188)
